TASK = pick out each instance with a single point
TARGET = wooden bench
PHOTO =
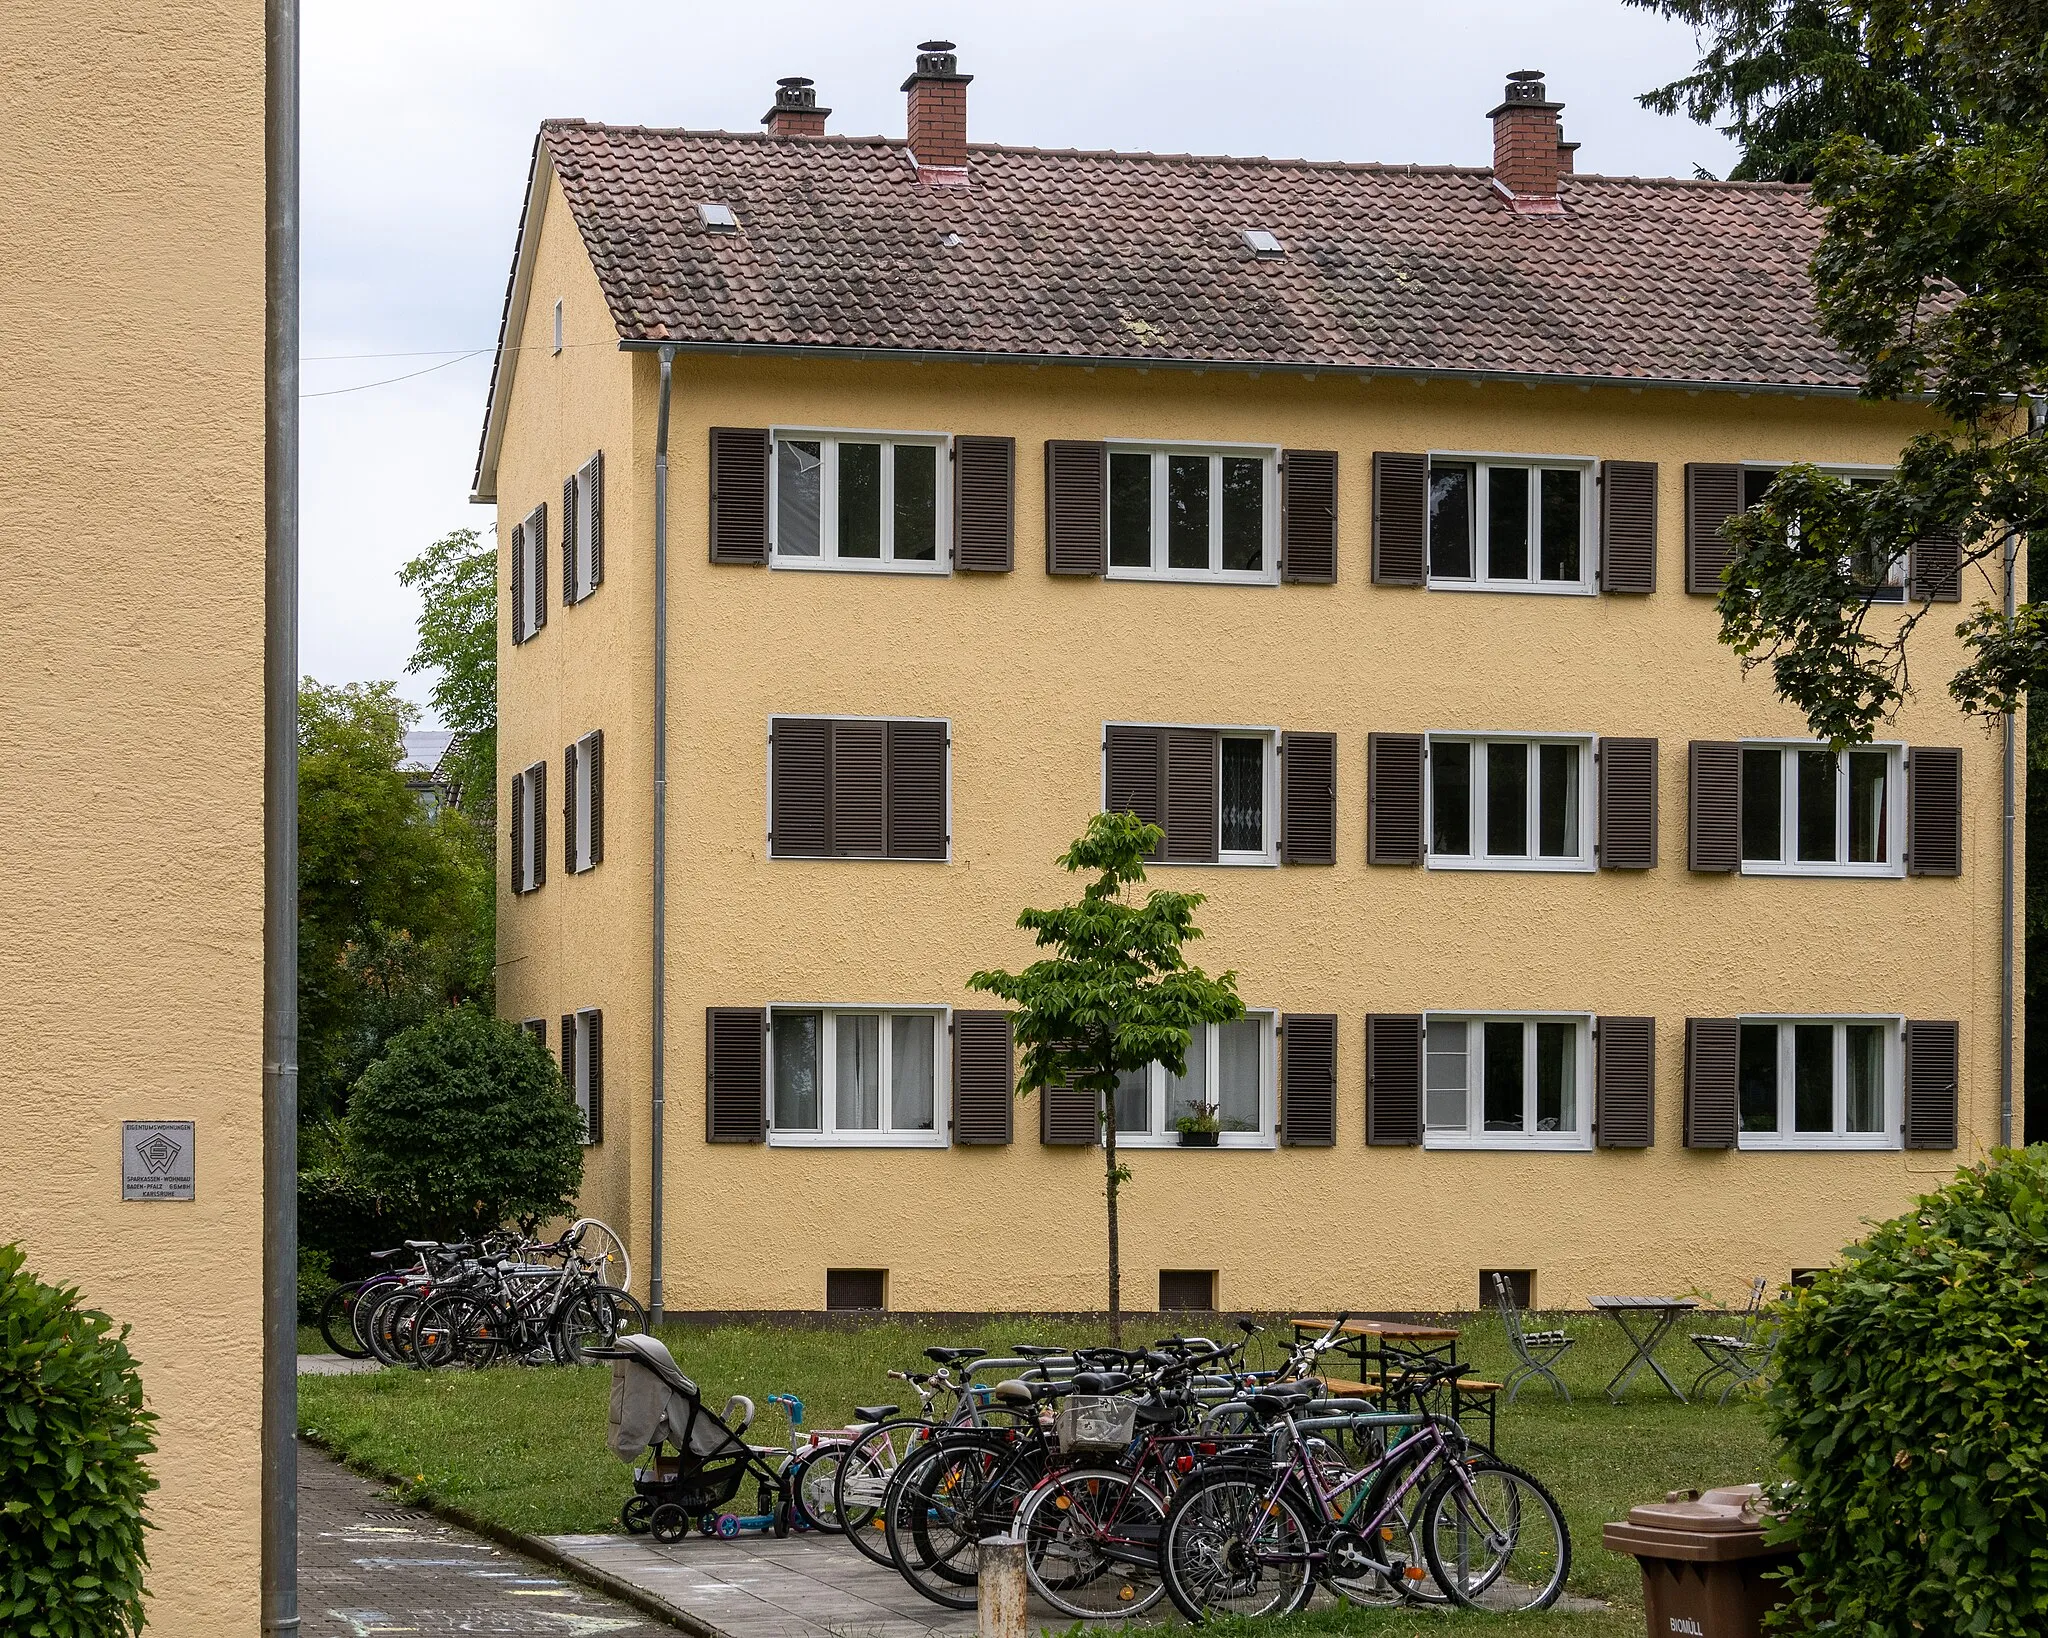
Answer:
(1470, 1396)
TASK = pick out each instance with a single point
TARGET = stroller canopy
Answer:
(654, 1403)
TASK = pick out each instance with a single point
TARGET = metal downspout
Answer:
(279, 1435)
(2037, 410)
(658, 1003)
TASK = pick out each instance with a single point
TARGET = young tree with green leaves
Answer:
(1115, 996)
(457, 579)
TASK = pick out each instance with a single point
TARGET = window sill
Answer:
(1530, 588)
(855, 858)
(1868, 1143)
(1550, 867)
(1195, 577)
(841, 565)
(862, 1140)
(1242, 862)
(1838, 872)
(1547, 1143)
(1225, 1141)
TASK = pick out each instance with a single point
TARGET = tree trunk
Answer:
(1116, 1318)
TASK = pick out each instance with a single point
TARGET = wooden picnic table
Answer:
(1398, 1329)
(1381, 1350)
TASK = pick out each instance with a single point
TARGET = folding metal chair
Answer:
(1536, 1352)
(1743, 1354)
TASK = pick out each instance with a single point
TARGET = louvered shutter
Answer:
(593, 1051)
(1713, 495)
(569, 1056)
(1068, 1117)
(1934, 811)
(860, 789)
(1132, 781)
(1714, 805)
(569, 541)
(800, 788)
(735, 1075)
(1308, 516)
(518, 583)
(537, 550)
(1393, 1079)
(1628, 526)
(1628, 804)
(1393, 799)
(1076, 507)
(538, 1029)
(593, 744)
(1308, 799)
(1710, 1083)
(1191, 795)
(537, 789)
(518, 849)
(739, 494)
(917, 790)
(985, 504)
(1400, 519)
(984, 1077)
(1933, 1077)
(590, 502)
(1625, 1083)
(1935, 567)
(569, 810)
(1308, 1080)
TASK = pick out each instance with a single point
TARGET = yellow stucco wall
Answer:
(1027, 668)
(131, 524)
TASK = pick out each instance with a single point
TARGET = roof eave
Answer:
(513, 323)
(1529, 378)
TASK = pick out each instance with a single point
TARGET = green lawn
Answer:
(525, 1448)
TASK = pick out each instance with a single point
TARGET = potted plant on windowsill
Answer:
(1199, 1127)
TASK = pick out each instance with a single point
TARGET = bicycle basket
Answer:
(1096, 1422)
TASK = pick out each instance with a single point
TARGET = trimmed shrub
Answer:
(1912, 1402)
(464, 1124)
(73, 1434)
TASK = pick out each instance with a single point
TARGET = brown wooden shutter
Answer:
(594, 749)
(860, 789)
(984, 1077)
(568, 1065)
(1628, 804)
(739, 494)
(1133, 776)
(1308, 1080)
(518, 849)
(569, 810)
(1935, 568)
(1069, 1117)
(591, 482)
(985, 504)
(518, 583)
(800, 788)
(1934, 810)
(1393, 1078)
(1711, 1105)
(569, 540)
(1076, 507)
(1628, 526)
(538, 1029)
(735, 1075)
(1393, 799)
(537, 783)
(917, 790)
(1933, 1076)
(1714, 805)
(537, 545)
(1191, 795)
(1400, 519)
(1308, 516)
(1713, 495)
(593, 1049)
(1308, 799)
(1625, 1082)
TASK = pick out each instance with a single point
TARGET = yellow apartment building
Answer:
(132, 523)
(873, 511)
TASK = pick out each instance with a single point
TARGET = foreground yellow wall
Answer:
(1027, 668)
(131, 524)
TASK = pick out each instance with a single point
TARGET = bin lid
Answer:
(1711, 1512)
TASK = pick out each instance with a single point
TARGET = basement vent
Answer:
(1265, 246)
(717, 217)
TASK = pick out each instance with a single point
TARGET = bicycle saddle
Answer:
(1101, 1381)
(874, 1413)
(1282, 1397)
(1155, 1411)
(947, 1356)
(1036, 1350)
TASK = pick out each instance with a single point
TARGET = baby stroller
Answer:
(697, 1462)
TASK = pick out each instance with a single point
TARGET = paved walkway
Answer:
(368, 1568)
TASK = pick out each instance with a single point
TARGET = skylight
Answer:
(717, 217)
(1263, 244)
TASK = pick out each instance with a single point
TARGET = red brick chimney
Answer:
(796, 111)
(1529, 150)
(938, 115)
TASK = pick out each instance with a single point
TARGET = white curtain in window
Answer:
(857, 1104)
(1237, 1075)
(912, 1073)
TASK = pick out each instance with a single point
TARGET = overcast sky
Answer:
(419, 120)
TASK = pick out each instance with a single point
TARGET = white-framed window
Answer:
(558, 324)
(529, 819)
(1193, 512)
(1246, 813)
(1820, 1083)
(1248, 797)
(1512, 523)
(1883, 582)
(1231, 1070)
(583, 1055)
(860, 500)
(532, 615)
(585, 801)
(1510, 802)
(857, 1076)
(1811, 811)
(1507, 1080)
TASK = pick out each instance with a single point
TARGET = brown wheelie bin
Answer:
(1704, 1557)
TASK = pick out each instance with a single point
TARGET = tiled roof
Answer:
(1051, 254)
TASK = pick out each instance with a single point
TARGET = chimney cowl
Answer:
(938, 115)
(1529, 150)
(936, 61)
(796, 111)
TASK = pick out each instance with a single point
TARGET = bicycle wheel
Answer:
(1495, 1539)
(599, 1241)
(387, 1327)
(457, 1328)
(811, 1479)
(1091, 1543)
(1397, 1542)
(1233, 1548)
(376, 1292)
(594, 1317)
(941, 1503)
(337, 1322)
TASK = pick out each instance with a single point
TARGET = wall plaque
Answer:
(156, 1160)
